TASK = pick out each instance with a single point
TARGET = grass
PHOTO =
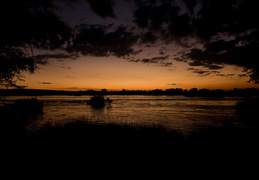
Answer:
(84, 134)
(133, 149)
(94, 136)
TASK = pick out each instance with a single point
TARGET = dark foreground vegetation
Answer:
(129, 148)
(137, 136)
(135, 149)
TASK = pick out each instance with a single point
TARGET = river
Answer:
(185, 114)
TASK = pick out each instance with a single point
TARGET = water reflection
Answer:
(177, 112)
(97, 111)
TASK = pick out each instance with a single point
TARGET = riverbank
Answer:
(82, 134)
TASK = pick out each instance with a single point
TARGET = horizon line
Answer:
(110, 90)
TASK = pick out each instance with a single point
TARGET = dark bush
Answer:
(28, 106)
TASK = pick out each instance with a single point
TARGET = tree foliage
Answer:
(27, 25)
(12, 62)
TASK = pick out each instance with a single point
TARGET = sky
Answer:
(149, 44)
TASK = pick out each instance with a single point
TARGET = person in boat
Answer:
(109, 100)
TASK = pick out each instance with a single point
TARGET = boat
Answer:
(99, 101)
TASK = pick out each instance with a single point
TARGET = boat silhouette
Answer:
(99, 101)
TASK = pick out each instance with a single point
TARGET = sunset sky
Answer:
(145, 45)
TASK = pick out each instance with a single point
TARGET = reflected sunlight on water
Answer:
(177, 112)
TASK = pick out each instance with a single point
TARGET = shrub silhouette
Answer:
(28, 106)
(15, 117)
(248, 110)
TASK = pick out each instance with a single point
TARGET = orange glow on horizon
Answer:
(113, 74)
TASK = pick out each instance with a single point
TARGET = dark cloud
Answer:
(211, 66)
(44, 83)
(198, 57)
(96, 40)
(103, 8)
(164, 18)
(203, 73)
(242, 75)
(220, 45)
(55, 3)
(148, 37)
(166, 64)
(32, 23)
(190, 4)
(225, 75)
(155, 60)
(215, 16)
(160, 58)
(226, 30)
(219, 53)
(202, 59)
(173, 84)
(235, 17)
(43, 59)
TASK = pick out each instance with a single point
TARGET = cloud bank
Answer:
(210, 33)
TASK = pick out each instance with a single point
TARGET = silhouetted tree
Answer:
(193, 92)
(12, 62)
(27, 25)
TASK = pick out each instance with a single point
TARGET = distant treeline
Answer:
(177, 91)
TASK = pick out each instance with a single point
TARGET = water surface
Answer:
(177, 112)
